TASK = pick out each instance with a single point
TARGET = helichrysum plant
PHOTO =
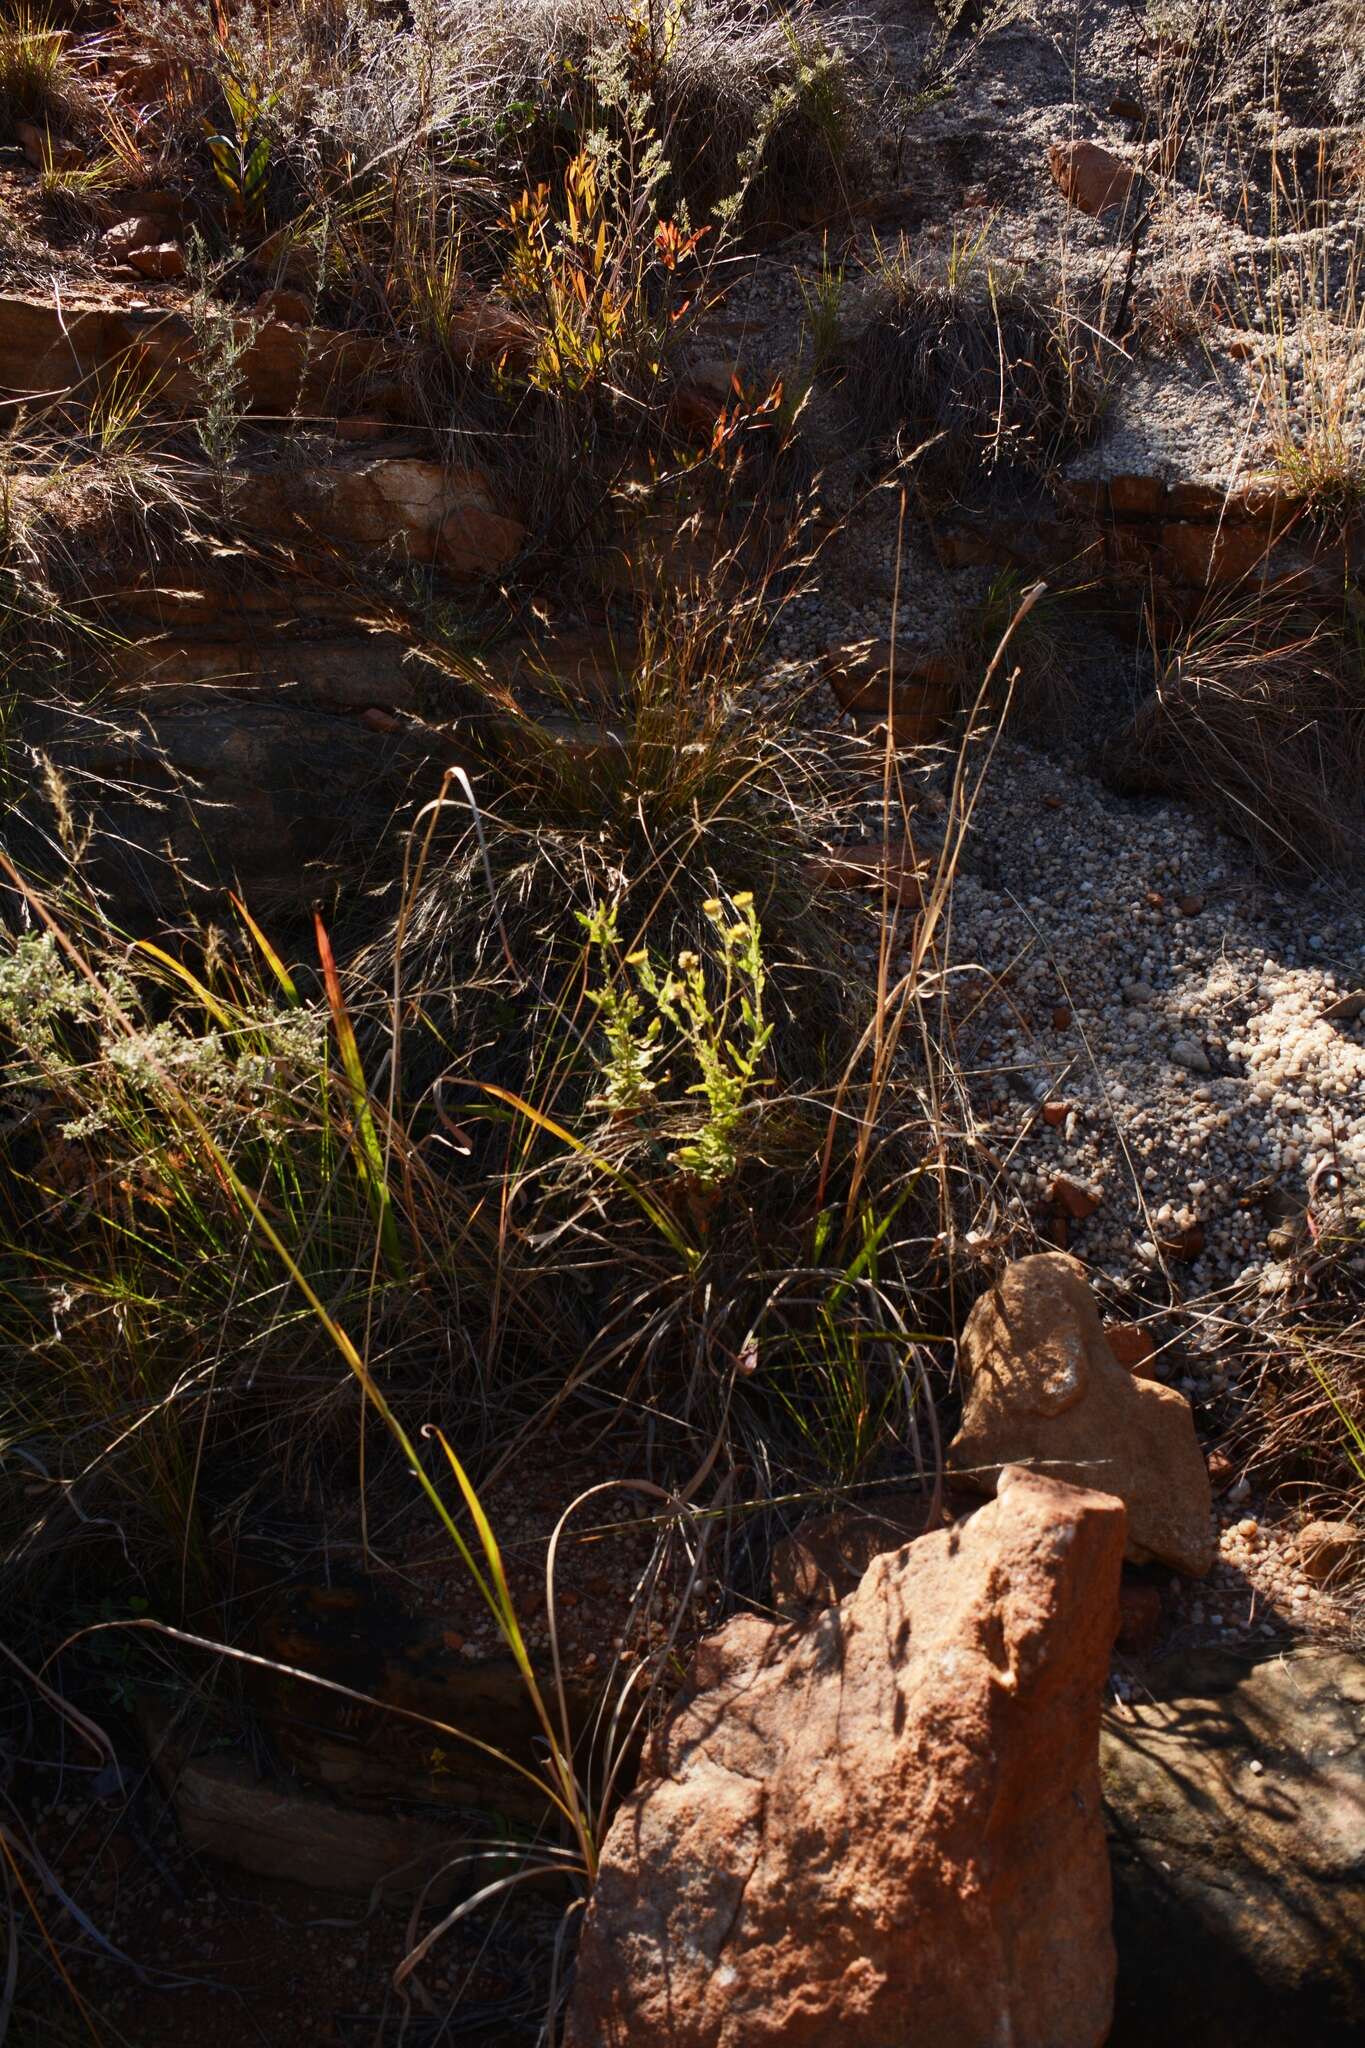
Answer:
(723, 1035)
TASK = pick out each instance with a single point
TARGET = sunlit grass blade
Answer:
(370, 1157)
(288, 986)
(192, 982)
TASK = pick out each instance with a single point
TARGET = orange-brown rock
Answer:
(1140, 1619)
(1136, 497)
(205, 791)
(822, 1561)
(912, 682)
(1091, 178)
(1043, 1388)
(1184, 1244)
(1132, 1346)
(875, 865)
(886, 1830)
(285, 370)
(1330, 1551)
(277, 1828)
(46, 151)
(134, 231)
(915, 721)
(160, 260)
(335, 673)
(1218, 552)
(157, 203)
(482, 331)
(1072, 1198)
(291, 308)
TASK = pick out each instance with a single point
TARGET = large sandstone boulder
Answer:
(885, 1830)
(1235, 1795)
(1043, 1388)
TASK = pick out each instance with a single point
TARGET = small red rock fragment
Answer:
(1190, 905)
(46, 151)
(1222, 1471)
(1061, 1018)
(291, 308)
(1329, 1551)
(1090, 177)
(1185, 1244)
(871, 866)
(1133, 1348)
(1072, 1198)
(137, 231)
(1054, 1113)
(378, 720)
(162, 260)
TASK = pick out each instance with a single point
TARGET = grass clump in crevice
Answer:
(991, 374)
(37, 82)
(1261, 718)
(1299, 1426)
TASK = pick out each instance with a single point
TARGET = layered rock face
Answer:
(1043, 1387)
(885, 1830)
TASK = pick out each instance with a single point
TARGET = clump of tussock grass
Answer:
(740, 92)
(1314, 312)
(433, 1131)
(1262, 720)
(683, 798)
(1035, 689)
(727, 95)
(658, 784)
(736, 91)
(990, 372)
(517, 182)
(37, 80)
(148, 1308)
(1301, 1425)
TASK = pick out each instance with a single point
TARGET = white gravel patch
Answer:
(1174, 1006)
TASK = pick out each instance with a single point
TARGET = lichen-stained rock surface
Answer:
(1043, 1388)
(885, 1830)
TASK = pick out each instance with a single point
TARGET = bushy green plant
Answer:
(722, 1034)
(152, 1113)
(221, 340)
(241, 149)
(632, 1039)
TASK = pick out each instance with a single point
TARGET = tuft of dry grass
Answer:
(993, 374)
(36, 79)
(736, 94)
(1302, 1426)
(1262, 719)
